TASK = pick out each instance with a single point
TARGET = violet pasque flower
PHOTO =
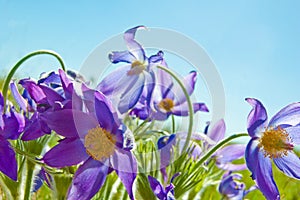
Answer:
(160, 192)
(168, 98)
(51, 92)
(11, 126)
(274, 140)
(98, 139)
(125, 85)
(231, 188)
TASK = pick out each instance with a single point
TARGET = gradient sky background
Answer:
(255, 45)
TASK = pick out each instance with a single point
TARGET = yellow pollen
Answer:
(166, 104)
(275, 143)
(99, 143)
(137, 67)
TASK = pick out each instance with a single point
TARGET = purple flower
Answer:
(168, 98)
(165, 145)
(11, 126)
(274, 140)
(95, 137)
(51, 92)
(126, 84)
(160, 192)
(231, 188)
(226, 155)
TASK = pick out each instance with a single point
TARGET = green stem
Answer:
(29, 177)
(140, 126)
(190, 106)
(32, 158)
(215, 148)
(20, 62)
(173, 124)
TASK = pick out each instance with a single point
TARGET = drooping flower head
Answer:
(95, 137)
(126, 84)
(274, 140)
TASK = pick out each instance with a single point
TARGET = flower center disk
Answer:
(275, 143)
(137, 67)
(99, 143)
(166, 104)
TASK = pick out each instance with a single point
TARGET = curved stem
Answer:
(20, 62)
(190, 106)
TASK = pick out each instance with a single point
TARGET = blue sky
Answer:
(255, 45)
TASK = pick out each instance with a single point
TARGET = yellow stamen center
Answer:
(99, 143)
(137, 67)
(166, 104)
(275, 143)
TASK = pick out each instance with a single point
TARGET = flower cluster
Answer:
(97, 136)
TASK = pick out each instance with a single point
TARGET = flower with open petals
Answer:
(11, 126)
(168, 98)
(126, 84)
(274, 140)
(95, 137)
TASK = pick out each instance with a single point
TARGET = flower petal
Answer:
(132, 93)
(125, 165)
(288, 115)
(251, 156)
(18, 97)
(66, 84)
(290, 165)
(52, 95)
(36, 93)
(68, 152)
(232, 167)
(264, 177)
(14, 124)
(217, 132)
(257, 118)
(230, 153)
(8, 163)
(164, 82)
(114, 82)
(133, 46)
(104, 112)
(35, 128)
(157, 58)
(69, 123)
(189, 82)
(294, 133)
(156, 187)
(87, 180)
(121, 56)
(183, 110)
